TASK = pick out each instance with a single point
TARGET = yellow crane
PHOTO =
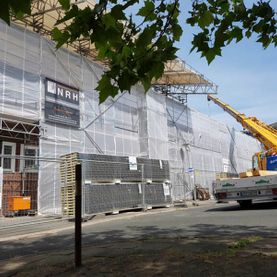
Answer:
(265, 160)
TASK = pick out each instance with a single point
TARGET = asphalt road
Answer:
(203, 221)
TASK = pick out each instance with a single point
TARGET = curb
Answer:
(101, 219)
(85, 224)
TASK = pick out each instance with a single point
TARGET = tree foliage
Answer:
(223, 21)
(137, 37)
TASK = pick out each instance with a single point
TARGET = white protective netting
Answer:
(133, 124)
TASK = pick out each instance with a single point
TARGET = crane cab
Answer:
(261, 161)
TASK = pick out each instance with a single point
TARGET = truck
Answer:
(259, 183)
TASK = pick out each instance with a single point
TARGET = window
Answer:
(8, 149)
(28, 151)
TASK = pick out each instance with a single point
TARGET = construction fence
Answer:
(110, 184)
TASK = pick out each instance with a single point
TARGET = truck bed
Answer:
(250, 188)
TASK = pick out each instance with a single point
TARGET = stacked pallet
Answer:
(111, 184)
(67, 175)
(67, 167)
(68, 199)
(226, 175)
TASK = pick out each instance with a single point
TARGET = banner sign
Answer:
(61, 104)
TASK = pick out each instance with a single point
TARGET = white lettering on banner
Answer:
(61, 103)
(67, 94)
(75, 96)
(60, 91)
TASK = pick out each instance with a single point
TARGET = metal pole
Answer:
(78, 216)
(194, 186)
(143, 189)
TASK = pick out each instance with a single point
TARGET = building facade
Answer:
(36, 80)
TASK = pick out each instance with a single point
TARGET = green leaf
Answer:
(157, 70)
(145, 38)
(16, 7)
(72, 13)
(20, 7)
(60, 37)
(147, 9)
(211, 54)
(4, 11)
(206, 19)
(177, 32)
(125, 81)
(109, 21)
(105, 88)
(237, 33)
(117, 13)
(65, 4)
(126, 53)
(248, 33)
(146, 82)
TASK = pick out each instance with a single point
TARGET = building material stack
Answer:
(67, 175)
(226, 175)
(114, 183)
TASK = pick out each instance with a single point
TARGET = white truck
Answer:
(246, 190)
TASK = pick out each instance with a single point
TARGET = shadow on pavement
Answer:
(59, 243)
(153, 252)
(236, 207)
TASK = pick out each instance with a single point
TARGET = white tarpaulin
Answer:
(134, 125)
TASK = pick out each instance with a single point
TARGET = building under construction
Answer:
(49, 108)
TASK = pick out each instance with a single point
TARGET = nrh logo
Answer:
(62, 92)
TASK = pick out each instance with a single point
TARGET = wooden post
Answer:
(78, 216)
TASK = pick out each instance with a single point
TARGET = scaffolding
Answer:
(180, 80)
(43, 17)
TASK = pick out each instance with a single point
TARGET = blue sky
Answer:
(246, 75)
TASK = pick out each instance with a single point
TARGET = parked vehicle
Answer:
(259, 183)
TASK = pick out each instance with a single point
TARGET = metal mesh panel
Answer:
(109, 197)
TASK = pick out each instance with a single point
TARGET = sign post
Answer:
(78, 216)
(191, 172)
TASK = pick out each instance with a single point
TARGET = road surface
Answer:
(213, 220)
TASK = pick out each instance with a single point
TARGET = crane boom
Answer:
(263, 132)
